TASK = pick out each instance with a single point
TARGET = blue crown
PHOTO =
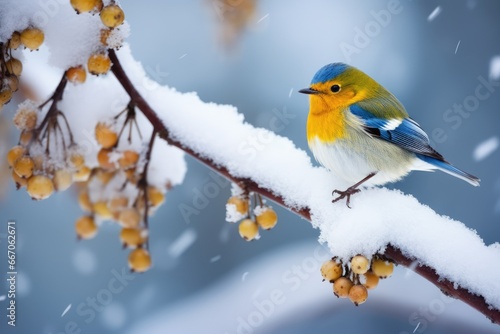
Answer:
(328, 72)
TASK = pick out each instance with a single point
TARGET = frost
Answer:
(232, 214)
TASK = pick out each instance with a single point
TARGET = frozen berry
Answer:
(131, 237)
(98, 64)
(370, 280)
(139, 260)
(240, 203)
(15, 40)
(112, 16)
(105, 136)
(381, 268)
(32, 38)
(15, 153)
(85, 227)
(84, 201)
(24, 166)
(128, 159)
(331, 270)
(20, 182)
(82, 174)
(358, 294)
(101, 209)
(267, 219)
(83, 6)
(14, 66)
(248, 229)
(25, 119)
(155, 196)
(104, 159)
(129, 217)
(341, 287)
(39, 187)
(360, 264)
(62, 179)
(76, 75)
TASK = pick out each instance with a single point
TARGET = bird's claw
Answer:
(343, 194)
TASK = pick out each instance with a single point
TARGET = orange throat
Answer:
(327, 123)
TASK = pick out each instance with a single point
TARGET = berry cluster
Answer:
(112, 16)
(11, 67)
(356, 279)
(238, 209)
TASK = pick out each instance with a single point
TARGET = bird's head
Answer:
(338, 85)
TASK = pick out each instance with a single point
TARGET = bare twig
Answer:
(391, 252)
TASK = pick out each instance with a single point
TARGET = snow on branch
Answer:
(440, 249)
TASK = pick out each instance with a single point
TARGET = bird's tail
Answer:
(450, 169)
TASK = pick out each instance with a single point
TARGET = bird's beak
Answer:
(308, 91)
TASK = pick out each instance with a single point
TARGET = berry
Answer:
(139, 260)
(84, 201)
(240, 203)
(360, 264)
(14, 66)
(118, 203)
(248, 229)
(5, 96)
(331, 270)
(370, 280)
(155, 196)
(76, 75)
(82, 174)
(101, 209)
(128, 159)
(77, 160)
(341, 287)
(62, 179)
(112, 16)
(83, 6)
(105, 136)
(358, 294)
(20, 182)
(24, 166)
(98, 64)
(129, 217)
(39, 187)
(104, 160)
(15, 153)
(131, 237)
(25, 138)
(85, 227)
(381, 268)
(25, 119)
(15, 40)
(105, 176)
(32, 38)
(131, 175)
(12, 82)
(267, 219)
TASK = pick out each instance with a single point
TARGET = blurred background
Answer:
(256, 55)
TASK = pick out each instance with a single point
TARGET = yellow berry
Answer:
(342, 286)
(85, 227)
(105, 176)
(101, 209)
(129, 218)
(248, 229)
(15, 153)
(20, 182)
(139, 260)
(370, 280)
(128, 159)
(82, 174)
(84, 201)
(77, 160)
(25, 137)
(105, 136)
(32, 38)
(112, 16)
(14, 66)
(83, 6)
(360, 264)
(39, 187)
(103, 159)
(24, 166)
(358, 294)
(98, 64)
(131, 175)
(12, 82)
(25, 119)
(381, 268)
(62, 179)
(155, 196)
(118, 203)
(15, 40)
(267, 219)
(331, 270)
(131, 237)
(5, 96)
(76, 75)
(240, 203)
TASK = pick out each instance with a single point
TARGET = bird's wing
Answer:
(403, 132)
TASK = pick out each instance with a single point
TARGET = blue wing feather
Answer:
(407, 135)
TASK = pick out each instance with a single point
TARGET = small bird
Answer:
(361, 132)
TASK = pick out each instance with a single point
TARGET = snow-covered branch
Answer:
(440, 249)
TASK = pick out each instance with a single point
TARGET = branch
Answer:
(391, 252)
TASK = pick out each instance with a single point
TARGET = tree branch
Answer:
(391, 252)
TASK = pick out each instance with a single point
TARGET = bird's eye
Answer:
(335, 88)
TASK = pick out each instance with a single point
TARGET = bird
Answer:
(361, 132)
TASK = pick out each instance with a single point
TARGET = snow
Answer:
(485, 148)
(66, 310)
(495, 68)
(220, 133)
(434, 14)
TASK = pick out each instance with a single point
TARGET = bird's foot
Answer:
(345, 194)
